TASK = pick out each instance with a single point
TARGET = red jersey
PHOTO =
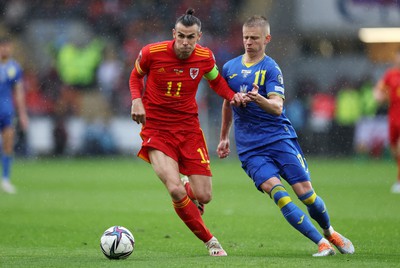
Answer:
(169, 97)
(391, 81)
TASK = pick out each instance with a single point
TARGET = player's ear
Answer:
(173, 33)
(267, 39)
(199, 37)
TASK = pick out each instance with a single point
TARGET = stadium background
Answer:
(77, 56)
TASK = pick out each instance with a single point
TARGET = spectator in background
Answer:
(109, 73)
(77, 64)
(322, 111)
(98, 139)
(11, 87)
(16, 15)
(348, 112)
(300, 104)
(388, 89)
(296, 112)
(370, 137)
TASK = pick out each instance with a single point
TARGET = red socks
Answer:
(189, 191)
(190, 215)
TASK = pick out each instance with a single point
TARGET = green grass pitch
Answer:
(64, 205)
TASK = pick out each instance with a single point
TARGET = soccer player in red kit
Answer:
(173, 141)
(388, 89)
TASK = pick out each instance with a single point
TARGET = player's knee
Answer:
(308, 198)
(280, 195)
(311, 199)
(204, 197)
(176, 192)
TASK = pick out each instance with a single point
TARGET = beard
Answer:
(183, 53)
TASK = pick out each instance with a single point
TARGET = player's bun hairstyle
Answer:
(188, 19)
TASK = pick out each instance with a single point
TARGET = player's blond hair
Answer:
(258, 21)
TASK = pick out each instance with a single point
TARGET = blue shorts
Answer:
(5, 121)
(283, 159)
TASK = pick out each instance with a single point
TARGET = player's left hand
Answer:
(253, 94)
(138, 112)
(223, 149)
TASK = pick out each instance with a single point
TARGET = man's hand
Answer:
(237, 99)
(241, 99)
(223, 149)
(137, 111)
(253, 94)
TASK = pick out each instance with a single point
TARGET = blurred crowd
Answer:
(77, 57)
(101, 55)
(341, 120)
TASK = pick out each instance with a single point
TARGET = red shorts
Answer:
(188, 148)
(394, 132)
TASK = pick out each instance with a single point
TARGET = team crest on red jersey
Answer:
(194, 72)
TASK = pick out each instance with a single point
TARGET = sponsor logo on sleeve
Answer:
(280, 90)
(280, 79)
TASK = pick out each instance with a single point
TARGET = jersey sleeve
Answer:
(221, 87)
(136, 79)
(211, 75)
(216, 82)
(275, 81)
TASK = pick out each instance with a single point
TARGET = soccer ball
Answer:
(117, 242)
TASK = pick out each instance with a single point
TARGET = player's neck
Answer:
(252, 59)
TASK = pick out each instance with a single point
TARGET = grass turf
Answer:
(64, 205)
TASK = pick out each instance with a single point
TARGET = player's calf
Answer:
(186, 184)
(316, 208)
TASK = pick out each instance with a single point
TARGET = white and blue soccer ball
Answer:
(117, 242)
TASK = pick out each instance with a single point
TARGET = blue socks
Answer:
(293, 214)
(6, 161)
(316, 208)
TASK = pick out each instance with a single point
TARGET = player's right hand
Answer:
(138, 113)
(238, 99)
